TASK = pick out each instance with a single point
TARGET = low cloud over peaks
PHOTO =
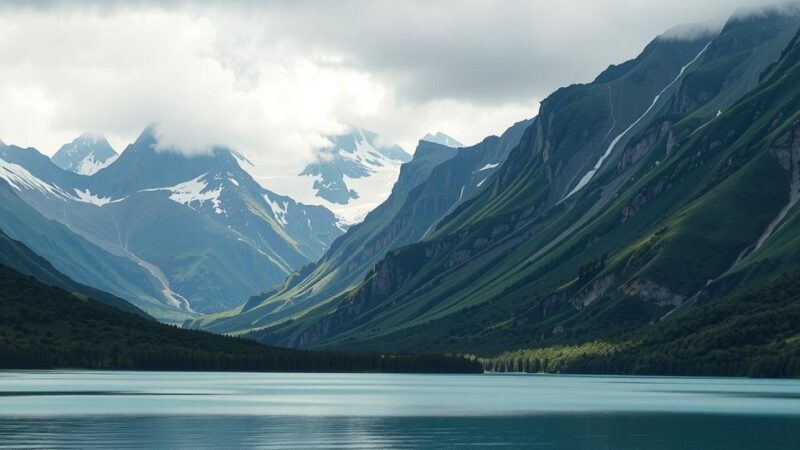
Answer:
(272, 78)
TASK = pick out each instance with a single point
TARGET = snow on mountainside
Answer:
(198, 234)
(194, 191)
(351, 177)
(19, 178)
(443, 139)
(85, 155)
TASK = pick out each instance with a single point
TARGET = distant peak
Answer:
(149, 133)
(89, 136)
(442, 139)
(85, 155)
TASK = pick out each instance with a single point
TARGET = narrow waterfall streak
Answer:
(613, 117)
(449, 210)
(590, 174)
(794, 198)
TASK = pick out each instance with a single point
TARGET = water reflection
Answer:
(559, 431)
(214, 410)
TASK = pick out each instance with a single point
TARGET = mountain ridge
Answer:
(205, 233)
(514, 266)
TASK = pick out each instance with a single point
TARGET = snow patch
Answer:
(87, 197)
(488, 167)
(19, 178)
(90, 165)
(192, 191)
(372, 189)
(278, 210)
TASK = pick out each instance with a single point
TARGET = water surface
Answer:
(227, 410)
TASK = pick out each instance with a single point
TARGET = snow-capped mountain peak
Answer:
(149, 206)
(85, 155)
(443, 139)
(351, 176)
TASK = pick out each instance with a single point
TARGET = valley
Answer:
(417, 224)
(623, 216)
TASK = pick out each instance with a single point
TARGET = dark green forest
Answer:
(753, 334)
(44, 327)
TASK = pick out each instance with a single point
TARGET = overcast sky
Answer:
(270, 78)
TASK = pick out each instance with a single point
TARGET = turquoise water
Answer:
(229, 410)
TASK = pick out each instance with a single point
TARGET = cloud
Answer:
(116, 74)
(272, 78)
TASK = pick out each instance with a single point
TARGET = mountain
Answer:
(664, 184)
(46, 327)
(351, 176)
(347, 258)
(442, 139)
(753, 334)
(19, 257)
(85, 155)
(68, 252)
(199, 230)
(435, 182)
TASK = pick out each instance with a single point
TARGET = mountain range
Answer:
(667, 183)
(54, 326)
(176, 235)
(646, 221)
(429, 187)
(351, 176)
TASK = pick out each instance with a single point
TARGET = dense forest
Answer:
(44, 327)
(755, 334)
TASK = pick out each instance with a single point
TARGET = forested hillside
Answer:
(44, 327)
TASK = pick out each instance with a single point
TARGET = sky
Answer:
(271, 79)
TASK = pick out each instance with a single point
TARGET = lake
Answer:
(65, 409)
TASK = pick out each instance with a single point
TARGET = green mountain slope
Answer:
(756, 333)
(430, 187)
(70, 254)
(46, 327)
(675, 202)
(195, 234)
(343, 264)
(19, 257)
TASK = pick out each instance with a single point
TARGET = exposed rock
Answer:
(650, 291)
(384, 280)
(635, 153)
(500, 229)
(784, 147)
(594, 291)
(541, 310)
(459, 257)
(641, 199)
